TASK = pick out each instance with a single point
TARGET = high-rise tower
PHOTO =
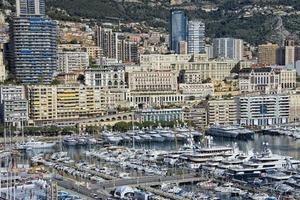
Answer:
(178, 29)
(196, 37)
(34, 43)
(30, 7)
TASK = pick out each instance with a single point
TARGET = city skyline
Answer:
(101, 107)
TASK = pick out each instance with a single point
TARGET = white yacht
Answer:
(114, 139)
(167, 134)
(70, 141)
(260, 163)
(35, 145)
(157, 137)
(230, 132)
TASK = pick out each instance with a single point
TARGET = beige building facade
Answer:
(152, 81)
(294, 115)
(267, 54)
(223, 111)
(67, 102)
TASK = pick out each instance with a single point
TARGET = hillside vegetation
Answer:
(255, 21)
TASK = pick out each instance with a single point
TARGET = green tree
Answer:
(92, 130)
(122, 126)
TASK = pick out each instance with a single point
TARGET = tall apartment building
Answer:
(70, 61)
(267, 54)
(263, 110)
(34, 43)
(106, 76)
(289, 55)
(13, 104)
(30, 7)
(229, 48)
(115, 45)
(178, 29)
(152, 81)
(106, 40)
(127, 51)
(223, 111)
(196, 37)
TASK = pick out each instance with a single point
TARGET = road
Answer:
(148, 180)
(83, 190)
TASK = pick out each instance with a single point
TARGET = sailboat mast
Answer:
(4, 137)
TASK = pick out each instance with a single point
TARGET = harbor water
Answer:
(282, 145)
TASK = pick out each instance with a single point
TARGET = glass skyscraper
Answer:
(34, 47)
(178, 29)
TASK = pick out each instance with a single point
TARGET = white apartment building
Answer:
(156, 115)
(266, 80)
(196, 90)
(196, 36)
(151, 99)
(11, 92)
(263, 80)
(14, 111)
(14, 105)
(263, 110)
(163, 62)
(69, 61)
(228, 48)
(106, 76)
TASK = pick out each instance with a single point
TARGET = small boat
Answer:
(81, 141)
(157, 138)
(137, 138)
(70, 141)
(114, 139)
(92, 141)
(146, 137)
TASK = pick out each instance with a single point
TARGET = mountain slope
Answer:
(255, 21)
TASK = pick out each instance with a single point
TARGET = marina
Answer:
(196, 167)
